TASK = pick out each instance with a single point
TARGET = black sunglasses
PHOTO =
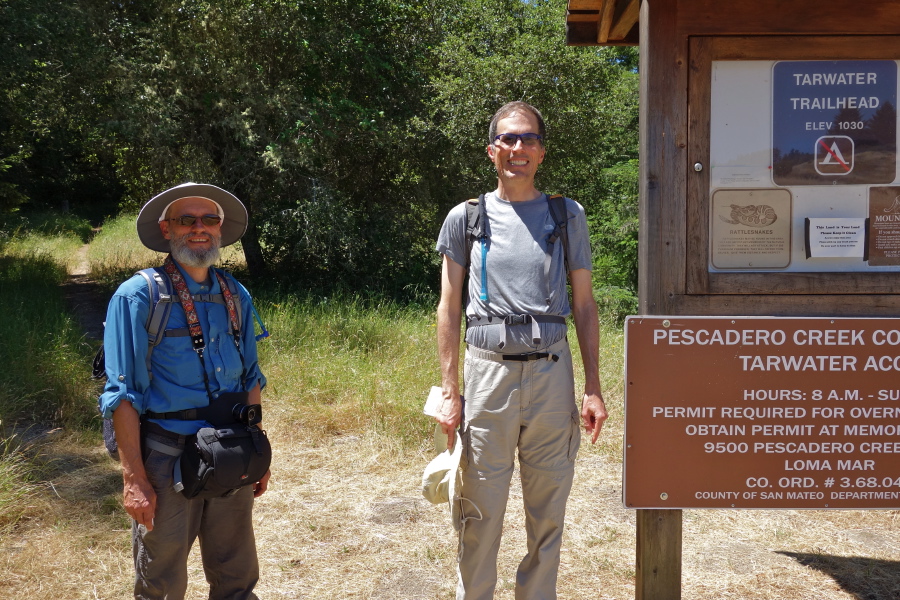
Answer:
(188, 220)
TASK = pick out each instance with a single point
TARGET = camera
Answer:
(249, 414)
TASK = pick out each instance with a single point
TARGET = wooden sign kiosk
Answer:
(769, 172)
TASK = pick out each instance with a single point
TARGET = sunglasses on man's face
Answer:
(189, 220)
(508, 140)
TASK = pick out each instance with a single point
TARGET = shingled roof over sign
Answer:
(602, 22)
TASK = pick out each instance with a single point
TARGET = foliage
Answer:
(348, 128)
(53, 97)
(297, 107)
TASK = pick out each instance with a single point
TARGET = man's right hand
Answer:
(140, 501)
(449, 416)
(139, 495)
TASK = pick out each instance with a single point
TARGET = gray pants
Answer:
(223, 526)
(527, 407)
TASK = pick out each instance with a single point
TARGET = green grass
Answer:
(42, 349)
(347, 365)
(45, 360)
(340, 366)
(335, 366)
(50, 225)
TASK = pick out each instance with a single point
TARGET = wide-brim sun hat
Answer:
(442, 479)
(234, 217)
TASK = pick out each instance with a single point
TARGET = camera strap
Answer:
(198, 343)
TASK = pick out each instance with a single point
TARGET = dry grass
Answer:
(344, 519)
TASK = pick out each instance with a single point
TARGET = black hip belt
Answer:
(219, 412)
(524, 357)
(534, 320)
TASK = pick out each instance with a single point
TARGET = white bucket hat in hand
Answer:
(441, 482)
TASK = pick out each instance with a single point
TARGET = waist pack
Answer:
(218, 462)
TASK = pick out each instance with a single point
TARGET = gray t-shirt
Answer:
(515, 257)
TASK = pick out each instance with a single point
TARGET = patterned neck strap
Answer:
(190, 312)
(187, 302)
(232, 309)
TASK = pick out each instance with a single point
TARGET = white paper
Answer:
(837, 238)
(433, 401)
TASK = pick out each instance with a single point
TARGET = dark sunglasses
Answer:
(188, 220)
(508, 140)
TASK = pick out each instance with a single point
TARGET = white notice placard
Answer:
(830, 237)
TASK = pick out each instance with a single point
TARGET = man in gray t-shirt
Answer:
(519, 385)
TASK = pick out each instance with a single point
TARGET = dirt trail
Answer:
(85, 297)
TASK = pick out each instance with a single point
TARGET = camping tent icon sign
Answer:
(834, 155)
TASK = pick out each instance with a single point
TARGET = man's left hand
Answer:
(260, 487)
(593, 414)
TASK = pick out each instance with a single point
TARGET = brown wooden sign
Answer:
(762, 412)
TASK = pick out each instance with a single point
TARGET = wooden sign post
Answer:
(768, 187)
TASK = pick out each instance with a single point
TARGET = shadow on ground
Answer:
(864, 578)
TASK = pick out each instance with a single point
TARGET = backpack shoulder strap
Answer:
(561, 217)
(161, 299)
(477, 228)
(476, 215)
(160, 288)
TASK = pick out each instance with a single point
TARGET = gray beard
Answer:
(195, 258)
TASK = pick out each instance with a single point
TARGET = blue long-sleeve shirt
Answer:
(177, 382)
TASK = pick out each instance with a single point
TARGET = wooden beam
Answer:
(606, 18)
(797, 17)
(581, 33)
(583, 17)
(626, 20)
(585, 5)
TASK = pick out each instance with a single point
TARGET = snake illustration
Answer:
(752, 215)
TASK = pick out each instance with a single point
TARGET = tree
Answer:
(496, 51)
(348, 128)
(52, 80)
(301, 108)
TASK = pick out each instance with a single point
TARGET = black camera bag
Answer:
(219, 461)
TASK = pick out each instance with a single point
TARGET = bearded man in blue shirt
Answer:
(151, 402)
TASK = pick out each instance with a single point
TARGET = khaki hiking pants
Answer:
(529, 407)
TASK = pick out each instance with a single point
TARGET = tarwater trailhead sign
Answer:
(834, 123)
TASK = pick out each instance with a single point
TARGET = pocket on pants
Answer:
(575, 436)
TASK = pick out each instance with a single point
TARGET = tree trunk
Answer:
(253, 251)
(250, 242)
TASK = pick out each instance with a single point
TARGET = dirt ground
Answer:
(344, 518)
